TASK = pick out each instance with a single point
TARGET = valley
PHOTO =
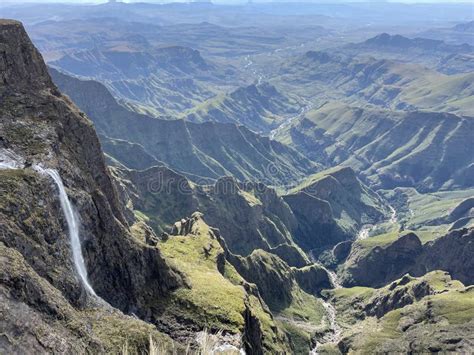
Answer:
(199, 178)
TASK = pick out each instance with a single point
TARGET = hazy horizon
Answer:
(223, 2)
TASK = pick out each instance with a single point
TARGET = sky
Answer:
(243, 1)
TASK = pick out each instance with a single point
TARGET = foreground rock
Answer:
(42, 127)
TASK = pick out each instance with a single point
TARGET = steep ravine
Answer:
(333, 333)
(171, 265)
(391, 223)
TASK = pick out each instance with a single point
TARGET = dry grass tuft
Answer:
(208, 345)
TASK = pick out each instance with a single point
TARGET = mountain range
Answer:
(260, 107)
(388, 147)
(206, 179)
(168, 79)
(444, 57)
(385, 83)
(208, 150)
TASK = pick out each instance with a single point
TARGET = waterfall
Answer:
(393, 215)
(73, 228)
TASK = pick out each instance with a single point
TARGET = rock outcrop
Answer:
(252, 215)
(313, 278)
(218, 293)
(331, 206)
(272, 276)
(276, 281)
(385, 263)
(400, 293)
(21, 65)
(382, 264)
(431, 312)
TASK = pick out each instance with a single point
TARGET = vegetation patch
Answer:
(217, 302)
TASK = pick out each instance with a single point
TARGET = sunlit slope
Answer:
(259, 107)
(385, 83)
(426, 150)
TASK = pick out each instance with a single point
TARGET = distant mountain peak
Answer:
(322, 57)
(399, 41)
(464, 27)
(385, 39)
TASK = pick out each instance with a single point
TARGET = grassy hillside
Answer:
(324, 76)
(412, 313)
(259, 107)
(425, 150)
(210, 150)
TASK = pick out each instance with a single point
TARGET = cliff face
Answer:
(382, 264)
(21, 65)
(331, 206)
(250, 216)
(41, 127)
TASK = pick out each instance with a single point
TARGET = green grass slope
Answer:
(324, 76)
(429, 151)
(217, 297)
(427, 314)
(259, 107)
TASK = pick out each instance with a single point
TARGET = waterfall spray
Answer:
(73, 228)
